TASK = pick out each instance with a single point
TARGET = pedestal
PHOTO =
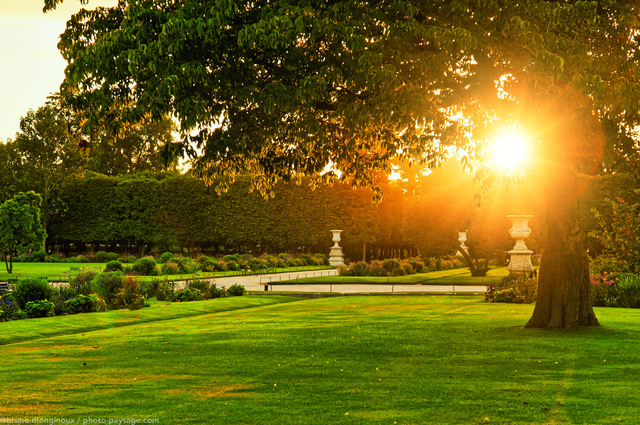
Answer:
(336, 257)
(520, 255)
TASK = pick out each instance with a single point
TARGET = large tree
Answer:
(287, 88)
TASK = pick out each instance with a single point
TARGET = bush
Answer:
(82, 259)
(201, 285)
(99, 257)
(111, 256)
(113, 266)
(215, 292)
(202, 259)
(131, 259)
(188, 294)
(236, 290)
(145, 267)
(41, 308)
(9, 309)
(211, 266)
(82, 303)
(83, 282)
(60, 296)
(322, 259)
(392, 268)
(166, 257)
(514, 288)
(108, 285)
(30, 289)
(149, 289)
(129, 296)
(360, 269)
(170, 268)
(228, 258)
(626, 291)
(165, 291)
(38, 256)
(343, 270)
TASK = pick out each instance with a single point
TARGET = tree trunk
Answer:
(564, 288)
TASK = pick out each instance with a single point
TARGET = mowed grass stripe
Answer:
(31, 329)
(441, 360)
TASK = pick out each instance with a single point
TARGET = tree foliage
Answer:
(20, 226)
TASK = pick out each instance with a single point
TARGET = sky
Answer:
(31, 66)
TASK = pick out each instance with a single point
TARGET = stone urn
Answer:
(336, 257)
(462, 238)
(520, 255)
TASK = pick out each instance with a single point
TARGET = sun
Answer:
(511, 150)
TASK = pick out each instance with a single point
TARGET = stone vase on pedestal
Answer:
(520, 255)
(336, 257)
(462, 238)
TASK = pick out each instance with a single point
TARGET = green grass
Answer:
(360, 360)
(59, 272)
(460, 276)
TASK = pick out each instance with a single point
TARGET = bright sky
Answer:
(31, 66)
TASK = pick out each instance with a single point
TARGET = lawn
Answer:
(460, 276)
(381, 360)
(59, 272)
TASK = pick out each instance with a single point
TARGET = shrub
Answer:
(145, 267)
(60, 296)
(201, 259)
(232, 265)
(166, 257)
(215, 292)
(99, 257)
(42, 308)
(82, 259)
(438, 264)
(165, 291)
(30, 289)
(256, 264)
(212, 266)
(280, 263)
(131, 259)
(82, 303)
(322, 259)
(201, 285)
(514, 288)
(392, 268)
(108, 285)
(360, 269)
(8, 308)
(54, 258)
(83, 282)
(38, 256)
(149, 288)
(343, 270)
(129, 296)
(606, 264)
(113, 266)
(229, 258)
(602, 294)
(236, 290)
(170, 268)
(626, 290)
(111, 256)
(188, 294)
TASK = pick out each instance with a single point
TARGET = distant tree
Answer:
(136, 149)
(20, 226)
(48, 154)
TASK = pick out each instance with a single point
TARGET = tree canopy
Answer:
(20, 227)
(287, 88)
